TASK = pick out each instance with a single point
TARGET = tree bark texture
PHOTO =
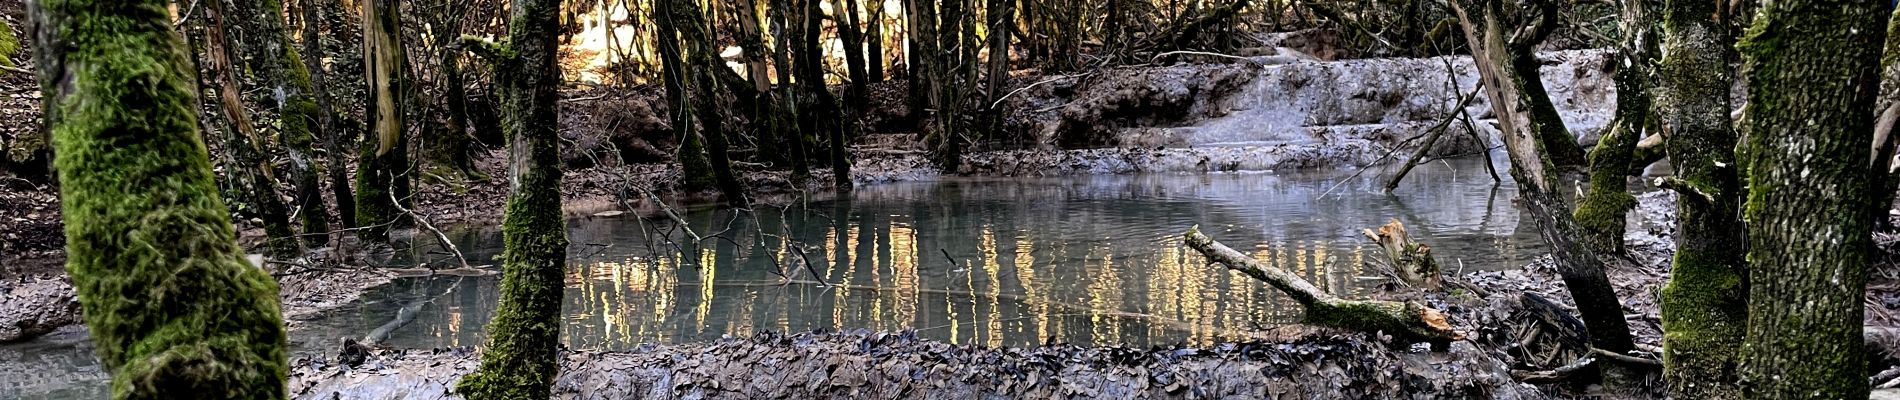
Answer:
(382, 164)
(1602, 211)
(704, 56)
(173, 307)
(520, 360)
(289, 93)
(1812, 69)
(1704, 304)
(1501, 63)
(252, 173)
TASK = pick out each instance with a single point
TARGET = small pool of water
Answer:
(1091, 260)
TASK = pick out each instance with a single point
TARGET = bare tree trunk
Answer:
(382, 173)
(173, 308)
(522, 355)
(1812, 70)
(313, 34)
(1001, 18)
(874, 42)
(1525, 119)
(250, 160)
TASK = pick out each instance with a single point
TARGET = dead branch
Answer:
(1407, 319)
(439, 237)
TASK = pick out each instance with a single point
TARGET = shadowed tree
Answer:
(1812, 67)
(519, 361)
(696, 171)
(333, 143)
(704, 59)
(249, 162)
(173, 307)
(382, 175)
(290, 93)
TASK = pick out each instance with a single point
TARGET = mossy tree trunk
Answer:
(1525, 120)
(1601, 212)
(251, 171)
(1812, 69)
(695, 168)
(1704, 304)
(382, 164)
(290, 93)
(173, 307)
(819, 115)
(520, 361)
(314, 12)
(784, 30)
(705, 59)
(451, 148)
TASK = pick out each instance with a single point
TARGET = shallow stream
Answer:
(1093, 260)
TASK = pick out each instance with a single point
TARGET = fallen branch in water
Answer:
(1407, 319)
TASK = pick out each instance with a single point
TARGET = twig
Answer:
(444, 239)
(1626, 358)
(800, 251)
(1157, 58)
(999, 101)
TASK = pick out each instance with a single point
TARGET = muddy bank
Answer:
(898, 365)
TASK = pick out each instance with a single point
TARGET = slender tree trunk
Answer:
(251, 161)
(1704, 305)
(1601, 212)
(695, 169)
(521, 358)
(1812, 69)
(289, 91)
(1000, 20)
(852, 37)
(382, 164)
(451, 150)
(763, 106)
(785, 29)
(313, 34)
(874, 41)
(819, 114)
(172, 306)
(1524, 119)
(706, 98)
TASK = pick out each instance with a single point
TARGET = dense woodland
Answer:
(317, 122)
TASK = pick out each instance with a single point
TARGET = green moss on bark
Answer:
(1812, 69)
(520, 359)
(8, 44)
(173, 307)
(1704, 311)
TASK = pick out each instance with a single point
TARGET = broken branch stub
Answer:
(1406, 319)
(1411, 261)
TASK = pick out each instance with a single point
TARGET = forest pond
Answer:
(1092, 260)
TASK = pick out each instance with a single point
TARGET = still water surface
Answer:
(1091, 260)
